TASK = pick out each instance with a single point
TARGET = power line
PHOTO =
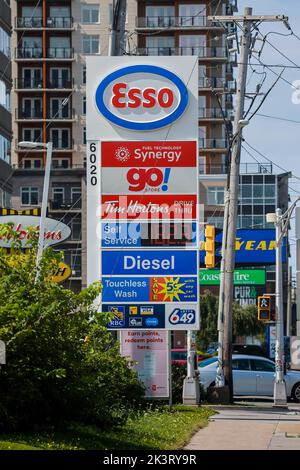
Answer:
(278, 118)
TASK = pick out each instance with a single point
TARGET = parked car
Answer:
(249, 349)
(252, 376)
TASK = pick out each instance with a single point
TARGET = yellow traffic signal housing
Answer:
(264, 308)
(210, 246)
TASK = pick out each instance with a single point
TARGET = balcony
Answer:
(256, 168)
(36, 114)
(212, 82)
(212, 113)
(220, 145)
(66, 205)
(37, 23)
(173, 22)
(36, 84)
(209, 170)
(36, 53)
(201, 52)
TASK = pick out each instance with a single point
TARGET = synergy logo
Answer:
(142, 97)
(122, 154)
(153, 179)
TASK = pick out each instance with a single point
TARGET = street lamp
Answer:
(48, 146)
(281, 222)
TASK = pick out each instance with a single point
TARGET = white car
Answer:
(252, 376)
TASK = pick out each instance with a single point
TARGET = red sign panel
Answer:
(149, 154)
(179, 207)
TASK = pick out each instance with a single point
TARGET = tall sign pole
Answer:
(230, 221)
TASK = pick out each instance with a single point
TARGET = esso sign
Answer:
(153, 178)
(142, 97)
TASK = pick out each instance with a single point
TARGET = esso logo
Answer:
(142, 97)
(154, 179)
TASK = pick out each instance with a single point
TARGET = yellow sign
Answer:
(62, 273)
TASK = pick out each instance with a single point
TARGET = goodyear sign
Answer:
(253, 247)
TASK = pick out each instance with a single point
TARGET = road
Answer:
(256, 426)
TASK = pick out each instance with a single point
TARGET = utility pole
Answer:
(230, 219)
(280, 398)
(289, 303)
(117, 38)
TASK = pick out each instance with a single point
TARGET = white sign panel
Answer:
(295, 352)
(149, 180)
(55, 231)
(150, 353)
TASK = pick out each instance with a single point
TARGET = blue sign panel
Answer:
(149, 289)
(141, 263)
(136, 316)
(252, 247)
(135, 234)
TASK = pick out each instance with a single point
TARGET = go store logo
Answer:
(142, 97)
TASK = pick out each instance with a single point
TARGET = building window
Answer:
(29, 196)
(84, 105)
(4, 42)
(90, 44)
(215, 195)
(76, 228)
(32, 135)
(160, 16)
(58, 195)
(84, 74)
(60, 138)
(32, 163)
(192, 15)
(5, 199)
(76, 197)
(4, 149)
(90, 14)
(84, 136)
(4, 95)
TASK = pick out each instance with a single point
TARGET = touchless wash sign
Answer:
(142, 195)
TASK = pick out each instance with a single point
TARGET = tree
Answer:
(245, 321)
(62, 363)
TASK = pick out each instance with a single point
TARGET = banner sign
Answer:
(136, 234)
(148, 316)
(252, 247)
(148, 180)
(211, 277)
(142, 189)
(144, 262)
(160, 154)
(149, 289)
(149, 353)
(182, 207)
(55, 231)
(295, 352)
(247, 295)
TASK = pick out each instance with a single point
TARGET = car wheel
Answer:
(296, 392)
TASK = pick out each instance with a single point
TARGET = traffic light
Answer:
(210, 247)
(264, 308)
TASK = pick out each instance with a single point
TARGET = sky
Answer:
(276, 139)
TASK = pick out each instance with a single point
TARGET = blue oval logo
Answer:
(151, 321)
(142, 97)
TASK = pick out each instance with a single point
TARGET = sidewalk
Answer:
(258, 427)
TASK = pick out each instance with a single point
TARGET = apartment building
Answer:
(50, 41)
(5, 113)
